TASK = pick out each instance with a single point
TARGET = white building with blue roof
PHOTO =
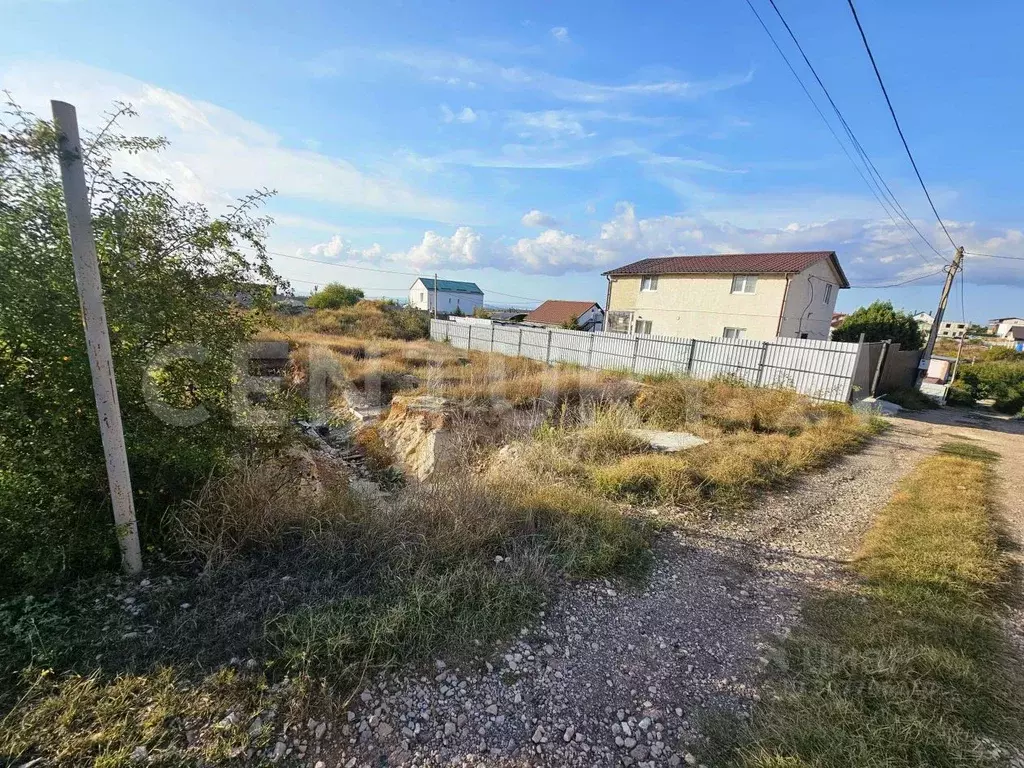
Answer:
(452, 296)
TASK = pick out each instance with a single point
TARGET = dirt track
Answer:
(618, 676)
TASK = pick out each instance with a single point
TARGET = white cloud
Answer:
(216, 155)
(463, 249)
(547, 123)
(466, 115)
(561, 34)
(457, 71)
(536, 218)
(871, 251)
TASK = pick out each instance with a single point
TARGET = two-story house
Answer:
(741, 295)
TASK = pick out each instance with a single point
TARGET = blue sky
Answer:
(530, 146)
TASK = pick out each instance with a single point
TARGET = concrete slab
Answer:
(670, 442)
(878, 405)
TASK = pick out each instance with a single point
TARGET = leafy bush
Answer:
(335, 296)
(879, 321)
(1001, 381)
(170, 271)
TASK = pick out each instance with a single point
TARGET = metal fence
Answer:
(821, 369)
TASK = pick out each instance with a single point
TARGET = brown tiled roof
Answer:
(555, 312)
(731, 263)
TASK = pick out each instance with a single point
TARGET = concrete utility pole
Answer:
(94, 318)
(951, 272)
(435, 295)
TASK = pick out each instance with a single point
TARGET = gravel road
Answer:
(612, 675)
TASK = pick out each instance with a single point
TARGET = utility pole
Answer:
(951, 272)
(94, 318)
(435, 295)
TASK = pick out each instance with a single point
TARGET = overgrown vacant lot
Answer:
(287, 585)
(913, 667)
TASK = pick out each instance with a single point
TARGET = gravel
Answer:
(616, 675)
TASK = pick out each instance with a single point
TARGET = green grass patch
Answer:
(967, 450)
(913, 669)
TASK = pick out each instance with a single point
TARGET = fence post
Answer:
(492, 337)
(97, 338)
(760, 364)
(547, 353)
(519, 342)
(882, 357)
(469, 339)
(636, 350)
(689, 360)
(853, 373)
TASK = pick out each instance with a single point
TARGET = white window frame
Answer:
(733, 333)
(745, 284)
(828, 293)
(642, 324)
(649, 283)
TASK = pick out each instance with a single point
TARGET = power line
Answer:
(994, 256)
(904, 282)
(879, 181)
(892, 112)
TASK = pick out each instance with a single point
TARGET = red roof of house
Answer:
(556, 312)
(731, 263)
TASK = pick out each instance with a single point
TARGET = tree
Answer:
(170, 271)
(572, 324)
(880, 322)
(335, 296)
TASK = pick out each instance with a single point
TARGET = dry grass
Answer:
(730, 468)
(260, 503)
(86, 720)
(914, 670)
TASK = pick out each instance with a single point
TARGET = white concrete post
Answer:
(94, 318)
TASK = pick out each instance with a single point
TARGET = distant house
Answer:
(950, 330)
(452, 296)
(837, 320)
(742, 295)
(587, 315)
(1001, 325)
(924, 322)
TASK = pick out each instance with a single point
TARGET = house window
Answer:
(649, 283)
(744, 283)
(734, 333)
(828, 293)
(643, 326)
(619, 322)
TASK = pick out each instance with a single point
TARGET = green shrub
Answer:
(170, 274)
(879, 321)
(335, 296)
(1000, 380)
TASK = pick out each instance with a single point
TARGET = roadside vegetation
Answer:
(912, 668)
(999, 377)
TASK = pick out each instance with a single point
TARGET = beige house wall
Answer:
(806, 310)
(703, 306)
